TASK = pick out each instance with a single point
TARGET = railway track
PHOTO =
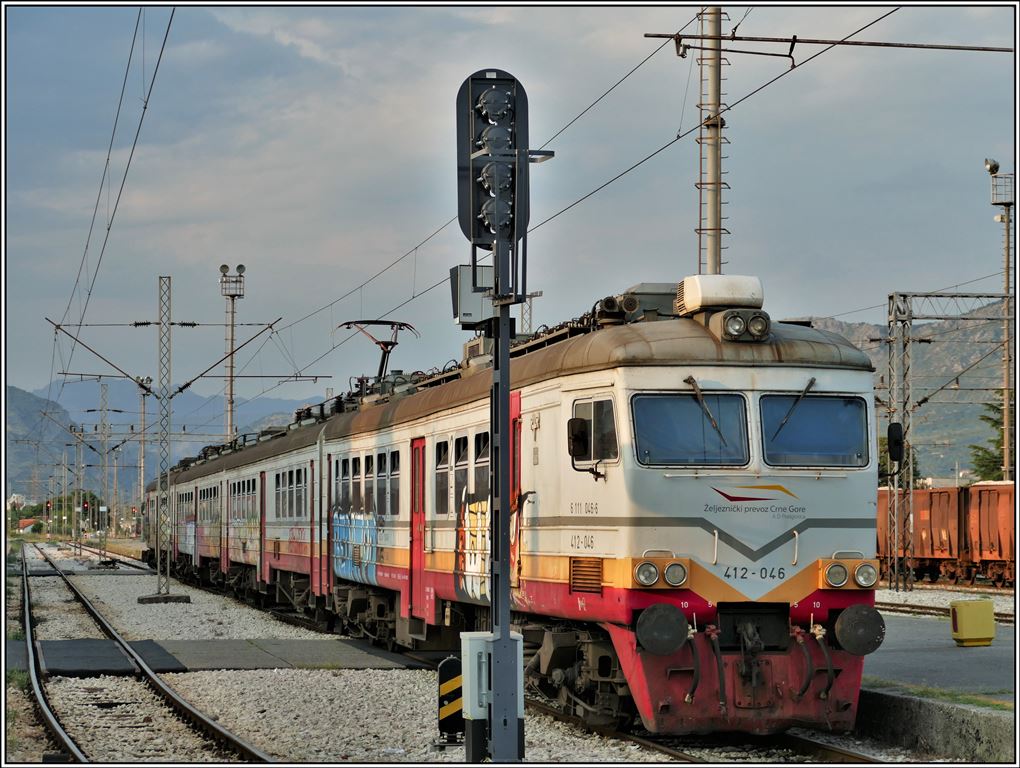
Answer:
(86, 716)
(963, 589)
(782, 747)
(935, 610)
(130, 563)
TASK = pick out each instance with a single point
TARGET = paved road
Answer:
(920, 651)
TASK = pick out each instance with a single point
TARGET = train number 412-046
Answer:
(742, 572)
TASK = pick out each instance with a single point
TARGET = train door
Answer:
(262, 569)
(326, 528)
(417, 571)
(313, 554)
(226, 508)
(516, 509)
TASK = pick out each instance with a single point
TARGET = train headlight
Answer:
(836, 575)
(758, 325)
(866, 575)
(646, 574)
(734, 325)
(675, 574)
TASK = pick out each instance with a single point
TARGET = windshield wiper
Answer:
(704, 406)
(796, 402)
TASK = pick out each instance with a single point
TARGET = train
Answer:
(957, 534)
(693, 521)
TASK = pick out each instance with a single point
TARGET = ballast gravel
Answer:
(57, 615)
(358, 715)
(941, 598)
(206, 617)
(106, 716)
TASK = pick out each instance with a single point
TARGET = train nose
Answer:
(860, 629)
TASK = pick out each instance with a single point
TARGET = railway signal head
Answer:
(492, 174)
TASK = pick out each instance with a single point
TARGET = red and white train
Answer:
(700, 553)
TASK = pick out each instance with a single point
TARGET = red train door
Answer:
(310, 488)
(516, 513)
(417, 572)
(263, 567)
(226, 506)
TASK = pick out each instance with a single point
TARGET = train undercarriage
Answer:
(758, 675)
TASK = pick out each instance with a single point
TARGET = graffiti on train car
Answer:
(472, 558)
(355, 545)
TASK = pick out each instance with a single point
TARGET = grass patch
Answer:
(982, 699)
(19, 679)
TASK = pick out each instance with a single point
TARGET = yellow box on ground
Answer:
(973, 622)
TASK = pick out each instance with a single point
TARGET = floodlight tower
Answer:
(232, 287)
(1002, 196)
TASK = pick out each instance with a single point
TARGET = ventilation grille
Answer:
(586, 575)
(678, 306)
(356, 556)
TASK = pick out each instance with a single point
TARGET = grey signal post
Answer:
(493, 202)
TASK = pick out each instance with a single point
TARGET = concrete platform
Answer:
(83, 658)
(16, 656)
(923, 692)
(283, 654)
(90, 658)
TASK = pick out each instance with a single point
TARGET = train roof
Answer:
(571, 350)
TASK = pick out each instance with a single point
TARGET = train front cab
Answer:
(757, 666)
(769, 611)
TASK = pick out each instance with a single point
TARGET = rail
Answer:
(63, 739)
(942, 612)
(247, 751)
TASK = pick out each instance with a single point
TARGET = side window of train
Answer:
(356, 484)
(460, 471)
(370, 485)
(601, 427)
(481, 466)
(291, 492)
(395, 482)
(277, 495)
(301, 492)
(345, 485)
(442, 478)
(380, 484)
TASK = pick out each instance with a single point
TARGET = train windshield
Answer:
(678, 429)
(814, 431)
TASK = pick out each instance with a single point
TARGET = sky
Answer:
(316, 146)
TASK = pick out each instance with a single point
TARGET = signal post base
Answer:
(178, 598)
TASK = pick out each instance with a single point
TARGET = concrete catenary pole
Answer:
(63, 495)
(713, 133)
(143, 385)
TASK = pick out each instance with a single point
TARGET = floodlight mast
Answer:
(1002, 196)
(232, 288)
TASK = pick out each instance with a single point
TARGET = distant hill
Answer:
(948, 423)
(197, 421)
(34, 442)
